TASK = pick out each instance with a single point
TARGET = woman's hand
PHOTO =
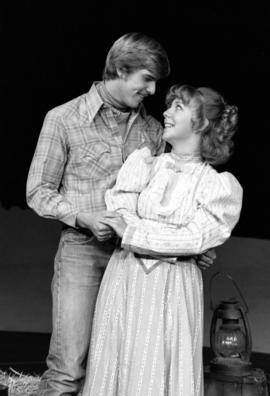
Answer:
(118, 224)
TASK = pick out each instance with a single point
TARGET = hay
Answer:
(20, 384)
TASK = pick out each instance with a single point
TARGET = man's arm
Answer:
(46, 172)
(44, 178)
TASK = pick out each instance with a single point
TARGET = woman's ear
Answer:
(205, 125)
(202, 128)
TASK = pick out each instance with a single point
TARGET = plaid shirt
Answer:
(79, 153)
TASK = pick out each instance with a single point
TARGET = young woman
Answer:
(148, 327)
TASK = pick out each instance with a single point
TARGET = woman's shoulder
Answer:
(225, 181)
(140, 154)
(140, 161)
(135, 170)
(144, 155)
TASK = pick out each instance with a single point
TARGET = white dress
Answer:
(148, 326)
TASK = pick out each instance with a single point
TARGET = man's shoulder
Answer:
(69, 109)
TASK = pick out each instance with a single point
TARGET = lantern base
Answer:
(230, 366)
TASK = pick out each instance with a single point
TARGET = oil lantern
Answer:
(230, 336)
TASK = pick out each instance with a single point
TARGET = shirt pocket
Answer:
(92, 160)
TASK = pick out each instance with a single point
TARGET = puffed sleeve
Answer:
(131, 180)
(217, 210)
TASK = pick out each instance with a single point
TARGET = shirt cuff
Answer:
(67, 214)
(127, 237)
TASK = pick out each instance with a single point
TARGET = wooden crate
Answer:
(221, 385)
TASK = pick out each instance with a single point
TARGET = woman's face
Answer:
(177, 122)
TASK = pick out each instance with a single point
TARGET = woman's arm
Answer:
(132, 178)
(212, 223)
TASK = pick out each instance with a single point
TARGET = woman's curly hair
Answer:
(207, 104)
(216, 143)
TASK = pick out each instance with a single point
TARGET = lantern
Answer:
(230, 336)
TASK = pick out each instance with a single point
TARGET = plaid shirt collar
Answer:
(94, 102)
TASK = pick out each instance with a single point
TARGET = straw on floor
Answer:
(19, 384)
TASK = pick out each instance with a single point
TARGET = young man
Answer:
(81, 147)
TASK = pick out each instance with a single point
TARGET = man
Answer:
(81, 147)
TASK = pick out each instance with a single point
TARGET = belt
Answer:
(80, 230)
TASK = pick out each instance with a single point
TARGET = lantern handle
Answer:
(248, 333)
(235, 285)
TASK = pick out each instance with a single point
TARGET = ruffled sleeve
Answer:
(217, 210)
(132, 178)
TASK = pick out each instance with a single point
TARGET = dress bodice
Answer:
(170, 193)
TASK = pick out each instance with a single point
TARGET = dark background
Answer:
(52, 52)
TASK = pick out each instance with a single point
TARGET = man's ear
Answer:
(122, 73)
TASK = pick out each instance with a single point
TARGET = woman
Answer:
(148, 327)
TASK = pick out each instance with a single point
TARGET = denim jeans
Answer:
(79, 265)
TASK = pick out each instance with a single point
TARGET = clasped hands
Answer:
(105, 224)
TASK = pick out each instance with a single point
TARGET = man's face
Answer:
(134, 87)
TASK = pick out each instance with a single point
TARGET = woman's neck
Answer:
(189, 147)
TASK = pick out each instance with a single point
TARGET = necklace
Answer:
(187, 157)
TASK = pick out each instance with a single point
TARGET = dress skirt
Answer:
(148, 330)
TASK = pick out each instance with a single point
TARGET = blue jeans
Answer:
(79, 265)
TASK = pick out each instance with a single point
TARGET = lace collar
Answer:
(186, 157)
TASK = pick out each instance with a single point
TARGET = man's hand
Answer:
(95, 223)
(206, 260)
(118, 224)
